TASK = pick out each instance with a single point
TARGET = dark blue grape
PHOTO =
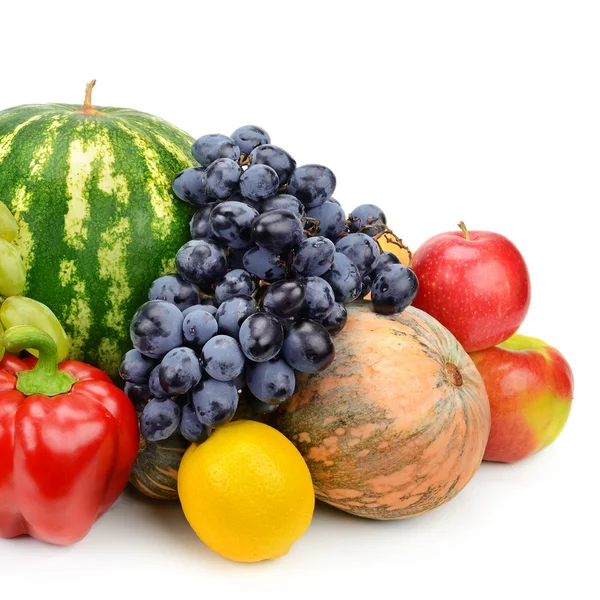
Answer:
(331, 218)
(215, 402)
(156, 389)
(223, 358)
(264, 264)
(190, 186)
(209, 308)
(386, 259)
(138, 393)
(394, 289)
(235, 283)
(285, 298)
(237, 197)
(235, 258)
(313, 256)
(258, 407)
(259, 182)
(286, 323)
(159, 420)
(174, 289)
(336, 320)
(272, 382)
(200, 228)
(366, 216)
(362, 250)
(222, 178)
(233, 312)
(156, 328)
(278, 231)
(201, 261)
(135, 367)
(319, 299)
(232, 223)
(211, 147)
(276, 158)
(261, 337)
(312, 184)
(284, 202)
(190, 427)
(180, 370)
(198, 327)
(308, 347)
(367, 283)
(344, 278)
(249, 137)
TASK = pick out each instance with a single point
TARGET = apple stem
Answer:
(464, 229)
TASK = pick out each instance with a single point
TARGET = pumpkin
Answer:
(156, 467)
(90, 189)
(398, 424)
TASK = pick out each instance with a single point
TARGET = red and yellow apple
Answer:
(475, 283)
(530, 388)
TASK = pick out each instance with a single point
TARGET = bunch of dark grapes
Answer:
(258, 291)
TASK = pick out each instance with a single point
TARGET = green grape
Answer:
(8, 225)
(12, 271)
(18, 310)
(1, 344)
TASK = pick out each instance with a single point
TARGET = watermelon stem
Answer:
(44, 378)
(87, 108)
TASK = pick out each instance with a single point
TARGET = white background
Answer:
(487, 112)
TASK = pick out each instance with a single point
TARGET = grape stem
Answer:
(260, 291)
(313, 226)
(87, 108)
(391, 238)
(245, 160)
(44, 378)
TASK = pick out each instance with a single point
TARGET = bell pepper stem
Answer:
(44, 378)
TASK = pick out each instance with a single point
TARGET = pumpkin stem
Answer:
(453, 374)
(87, 108)
(464, 229)
(44, 378)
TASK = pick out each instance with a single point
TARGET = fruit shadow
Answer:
(338, 518)
(165, 522)
(165, 519)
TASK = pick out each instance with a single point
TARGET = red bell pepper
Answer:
(68, 440)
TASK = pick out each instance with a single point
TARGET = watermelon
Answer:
(90, 189)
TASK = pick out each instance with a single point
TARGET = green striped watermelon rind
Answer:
(98, 221)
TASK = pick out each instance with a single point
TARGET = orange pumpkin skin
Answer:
(399, 422)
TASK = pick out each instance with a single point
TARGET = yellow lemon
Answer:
(246, 492)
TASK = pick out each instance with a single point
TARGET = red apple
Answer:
(530, 387)
(476, 283)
